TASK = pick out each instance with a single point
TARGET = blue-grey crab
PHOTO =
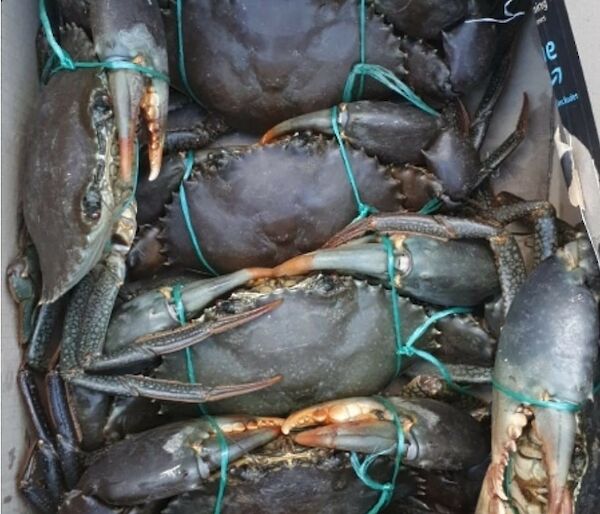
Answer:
(180, 458)
(83, 137)
(544, 371)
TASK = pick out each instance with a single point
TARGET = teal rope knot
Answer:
(386, 77)
(185, 211)
(362, 468)
(66, 62)
(176, 293)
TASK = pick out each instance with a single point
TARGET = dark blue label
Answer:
(566, 75)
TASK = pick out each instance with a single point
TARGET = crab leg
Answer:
(542, 215)
(493, 92)
(147, 348)
(43, 454)
(506, 148)
(441, 227)
(168, 390)
(67, 439)
(30, 481)
(37, 350)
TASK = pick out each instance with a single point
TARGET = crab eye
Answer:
(92, 204)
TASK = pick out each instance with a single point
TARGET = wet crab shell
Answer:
(331, 337)
(67, 193)
(265, 204)
(260, 64)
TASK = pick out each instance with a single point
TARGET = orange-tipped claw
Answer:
(319, 121)
(370, 436)
(299, 265)
(132, 96)
(154, 111)
(336, 411)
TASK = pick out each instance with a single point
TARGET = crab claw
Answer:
(319, 121)
(134, 31)
(425, 268)
(369, 259)
(171, 459)
(336, 411)
(391, 131)
(130, 95)
(546, 353)
(360, 436)
(149, 312)
(437, 436)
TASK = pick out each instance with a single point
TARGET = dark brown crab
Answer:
(301, 63)
(260, 205)
(403, 134)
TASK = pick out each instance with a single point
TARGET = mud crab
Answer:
(544, 371)
(261, 456)
(79, 171)
(294, 68)
(326, 337)
(280, 190)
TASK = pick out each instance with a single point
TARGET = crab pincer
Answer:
(132, 32)
(543, 373)
(172, 459)
(437, 436)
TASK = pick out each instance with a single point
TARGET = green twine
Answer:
(363, 209)
(181, 53)
(185, 211)
(180, 308)
(362, 44)
(377, 72)
(388, 79)
(362, 468)
(66, 62)
(560, 405)
(431, 207)
(402, 349)
(408, 349)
